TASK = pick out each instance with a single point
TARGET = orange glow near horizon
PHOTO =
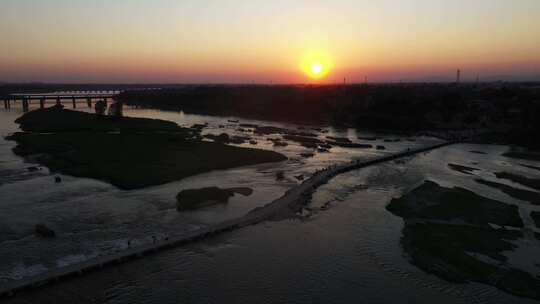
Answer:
(258, 41)
(316, 64)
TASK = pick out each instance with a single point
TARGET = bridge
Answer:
(58, 98)
(291, 201)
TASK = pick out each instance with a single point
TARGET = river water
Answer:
(348, 251)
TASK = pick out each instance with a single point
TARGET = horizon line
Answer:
(404, 81)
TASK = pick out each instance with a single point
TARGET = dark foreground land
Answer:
(128, 152)
(447, 232)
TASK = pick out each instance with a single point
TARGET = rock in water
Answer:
(43, 231)
(196, 198)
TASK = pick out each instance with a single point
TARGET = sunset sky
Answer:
(244, 41)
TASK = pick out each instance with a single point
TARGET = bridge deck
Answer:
(292, 198)
(55, 97)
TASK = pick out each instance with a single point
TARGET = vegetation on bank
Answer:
(60, 120)
(508, 111)
(448, 233)
(197, 198)
(139, 153)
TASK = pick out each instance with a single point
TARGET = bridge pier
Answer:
(25, 105)
(41, 99)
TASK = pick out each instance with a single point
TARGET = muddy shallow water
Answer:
(344, 248)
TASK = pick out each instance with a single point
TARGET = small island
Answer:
(129, 153)
(520, 194)
(462, 169)
(449, 232)
(519, 179)
(191, 199)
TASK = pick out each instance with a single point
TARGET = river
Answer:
(343, 248)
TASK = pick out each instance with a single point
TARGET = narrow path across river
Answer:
(291, 200)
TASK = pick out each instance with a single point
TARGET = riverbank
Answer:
(444, 109)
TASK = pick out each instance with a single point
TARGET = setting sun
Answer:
(316, 68)
(316, 64)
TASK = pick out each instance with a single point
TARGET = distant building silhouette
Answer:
(458, 76)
